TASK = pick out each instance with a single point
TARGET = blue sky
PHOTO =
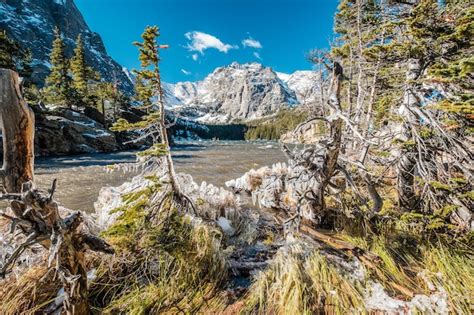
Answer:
(205, 34)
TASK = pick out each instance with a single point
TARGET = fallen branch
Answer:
(37, 217)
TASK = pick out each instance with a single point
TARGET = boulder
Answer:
(65, 132)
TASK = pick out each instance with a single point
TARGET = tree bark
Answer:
(334, 146)
(407, 197)
(360, 75)
(164, 139)
(18, 126)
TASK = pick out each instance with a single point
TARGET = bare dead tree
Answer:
(37, 216)
(318, 171)
(320, 58)
(406, 167)
(320, 164)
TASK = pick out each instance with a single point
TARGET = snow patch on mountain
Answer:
(283, 76)
(240, 92)
(306, 85)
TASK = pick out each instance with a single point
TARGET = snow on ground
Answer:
(99, 133)
(378, 299)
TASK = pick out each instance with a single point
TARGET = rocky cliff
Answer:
(31, 23)
(61, 131)
(306, 85)
(240, 92)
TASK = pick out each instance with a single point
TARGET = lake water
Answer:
(81, 177)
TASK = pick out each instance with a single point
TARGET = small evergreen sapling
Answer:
(151, 96)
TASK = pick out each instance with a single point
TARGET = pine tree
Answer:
(80, 71)
(143, 95)
(365, 29)
(58, 83)
(154, 125)
(409, 65)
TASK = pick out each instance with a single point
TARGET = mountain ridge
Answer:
(241, 92)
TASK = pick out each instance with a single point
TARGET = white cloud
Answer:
(201, 41)
(185, 72)
(195, 57)
(257, 55)
(252, 43)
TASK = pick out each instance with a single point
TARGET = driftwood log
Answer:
(34, 213)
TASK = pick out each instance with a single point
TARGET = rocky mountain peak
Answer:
(305, 83)
(31, 23)
(234, 92)
(241, 92)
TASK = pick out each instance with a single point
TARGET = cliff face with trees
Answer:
(80, 106)
(31, 24)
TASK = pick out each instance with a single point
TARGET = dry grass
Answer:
(424, 268)
(302, 282)
(27, 294)
(177, 265)
(452, 270)
(305, 281)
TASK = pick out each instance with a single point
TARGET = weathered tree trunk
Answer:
(407, 197)
(369, 114)
(18, 127)
(360, 90)
(334, 146)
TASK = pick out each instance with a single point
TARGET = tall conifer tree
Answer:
(151, 95)
(59, 82)
(80, 71)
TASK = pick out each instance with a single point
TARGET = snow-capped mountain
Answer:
(31, 23)
(240, 92)
(234, 92)
(306, 85)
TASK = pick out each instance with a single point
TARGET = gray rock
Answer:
(65, 132)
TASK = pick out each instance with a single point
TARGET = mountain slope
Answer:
(31, 23)
(239, 92)
(306, 85)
